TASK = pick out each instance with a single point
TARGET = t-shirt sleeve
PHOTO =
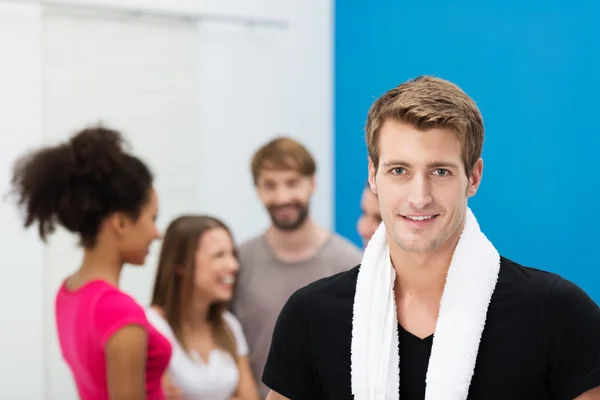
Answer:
(238, 333)
(289, 367)
(114, 310)
(575, 341)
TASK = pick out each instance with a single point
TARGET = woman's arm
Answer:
(126, 363)
(247, 389)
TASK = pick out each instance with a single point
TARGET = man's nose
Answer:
(419, 192)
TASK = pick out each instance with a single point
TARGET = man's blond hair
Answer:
(426, 103)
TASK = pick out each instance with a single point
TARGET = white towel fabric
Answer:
(470, 283)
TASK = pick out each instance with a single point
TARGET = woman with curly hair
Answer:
(94, 188)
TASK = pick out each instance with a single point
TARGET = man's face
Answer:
(422, 186)
(286, 195)
(370, 218)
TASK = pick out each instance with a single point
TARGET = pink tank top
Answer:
(86, 318)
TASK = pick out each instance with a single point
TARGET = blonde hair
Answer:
(425, 103)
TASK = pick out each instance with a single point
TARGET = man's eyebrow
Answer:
(435, 164)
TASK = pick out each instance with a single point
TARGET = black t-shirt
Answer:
(541, 341)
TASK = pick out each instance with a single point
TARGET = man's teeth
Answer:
(228, 281)
(421, 217)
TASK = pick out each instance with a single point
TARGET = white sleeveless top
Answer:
(216, 380)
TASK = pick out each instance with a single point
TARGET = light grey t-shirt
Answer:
(265, 283)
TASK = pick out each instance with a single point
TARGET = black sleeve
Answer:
(288, 370)
(574, 351)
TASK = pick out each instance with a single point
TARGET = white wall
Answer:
(259, 83)
(21, 351)
(238, 88)
(253, 8)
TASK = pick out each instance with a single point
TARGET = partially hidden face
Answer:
(216, 266)
(286, 195)
(422, 185)
(136, 235)
(370, 217)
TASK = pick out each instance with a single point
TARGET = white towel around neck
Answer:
(470, 283)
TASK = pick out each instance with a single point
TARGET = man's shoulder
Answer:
(253, 250)
(342, 251)
(251, 243)
(526, 276)
(543, 285)
(341, 285)
(343, 244)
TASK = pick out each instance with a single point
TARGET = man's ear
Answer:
(372, 174)
(313, 183)
(475, 178)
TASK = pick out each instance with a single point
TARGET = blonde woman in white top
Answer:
(194, 283)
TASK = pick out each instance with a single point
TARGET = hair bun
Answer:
(97, 147)
(79, 182)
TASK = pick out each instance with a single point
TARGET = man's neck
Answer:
(422, 275)
(299, 244)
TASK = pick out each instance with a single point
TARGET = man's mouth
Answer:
(420, 217)
(285, 207)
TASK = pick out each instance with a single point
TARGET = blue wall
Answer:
(534, 70)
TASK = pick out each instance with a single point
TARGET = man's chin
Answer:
(286, 226)
(413, 242)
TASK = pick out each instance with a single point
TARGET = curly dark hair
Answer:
(78, 183)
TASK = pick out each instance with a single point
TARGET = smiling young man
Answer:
(293, 252)
(433, 311)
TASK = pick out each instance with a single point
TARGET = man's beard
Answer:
(289, 224)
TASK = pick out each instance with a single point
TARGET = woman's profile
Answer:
(91, 186)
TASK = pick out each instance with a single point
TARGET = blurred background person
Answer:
(90, 186)
(291, 253)
(195, 281)
(370, 217)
